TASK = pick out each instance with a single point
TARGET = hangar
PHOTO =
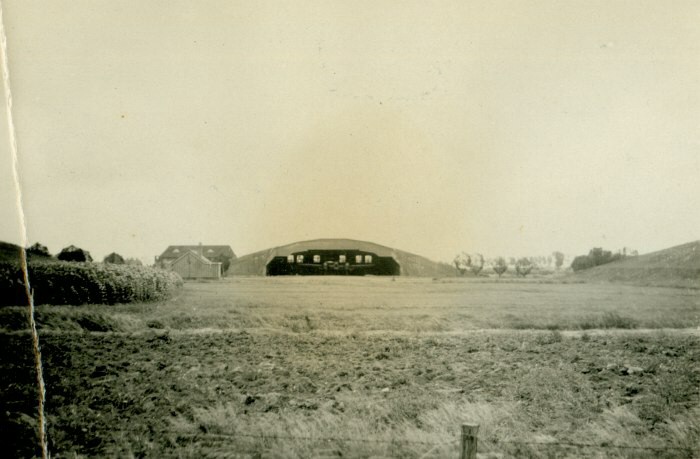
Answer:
(332, 262)
(345, 257)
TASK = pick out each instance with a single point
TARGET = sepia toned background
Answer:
(510, 128)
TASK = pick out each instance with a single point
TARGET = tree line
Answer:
(597, 256)
(76, 254)
(475, 263)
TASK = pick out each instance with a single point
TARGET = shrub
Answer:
(609, 320)
(82, 283)
(225, 261)
(73, 253)
(596, 257)
(615, 320)
(114, 258)
(39, 250)
(581, 262)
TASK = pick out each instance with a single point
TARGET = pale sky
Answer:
(501, 127)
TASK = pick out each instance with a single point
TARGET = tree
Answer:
(73, 253)
(523, 267)
(558, 259)
(114, 258)
(596, 257)
(599, 256)
(581, 262)
(462, 263)
(133, 262)
(38, 249)
(477, 263)
(500, 266)
(225, 262)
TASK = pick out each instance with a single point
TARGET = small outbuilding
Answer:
(222, 254)
(191, 265)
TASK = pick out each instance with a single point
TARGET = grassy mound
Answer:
(676, 266)
(85, 283)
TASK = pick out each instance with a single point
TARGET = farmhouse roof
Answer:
(194, 255)
(209, 251)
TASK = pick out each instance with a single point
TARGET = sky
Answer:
(507, 128)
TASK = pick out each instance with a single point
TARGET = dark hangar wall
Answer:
(327, 262)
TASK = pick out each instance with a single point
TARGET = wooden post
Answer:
(469, 432)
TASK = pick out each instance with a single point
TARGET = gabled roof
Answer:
(196, 256)
(209, 251)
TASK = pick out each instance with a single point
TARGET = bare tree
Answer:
(523, 267)
(477, 263)
(500, 266)
(558, 259)
(462, 263)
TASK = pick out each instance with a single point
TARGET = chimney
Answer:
(201, 253)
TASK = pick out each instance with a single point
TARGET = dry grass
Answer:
(360, 305)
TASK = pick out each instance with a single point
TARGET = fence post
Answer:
(469, 432)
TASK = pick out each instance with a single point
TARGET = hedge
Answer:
(85, 283)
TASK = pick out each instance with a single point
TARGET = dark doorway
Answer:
(336, 262)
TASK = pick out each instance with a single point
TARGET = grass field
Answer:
(363, 367)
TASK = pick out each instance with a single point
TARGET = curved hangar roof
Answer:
(333, 244)
(255, 264)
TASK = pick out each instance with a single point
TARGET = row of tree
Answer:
(475, 263)
(465, 262)
(73, 253)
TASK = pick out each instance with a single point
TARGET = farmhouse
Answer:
(210, 252)
(197, 261)
(336, 257)
(191, 265)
